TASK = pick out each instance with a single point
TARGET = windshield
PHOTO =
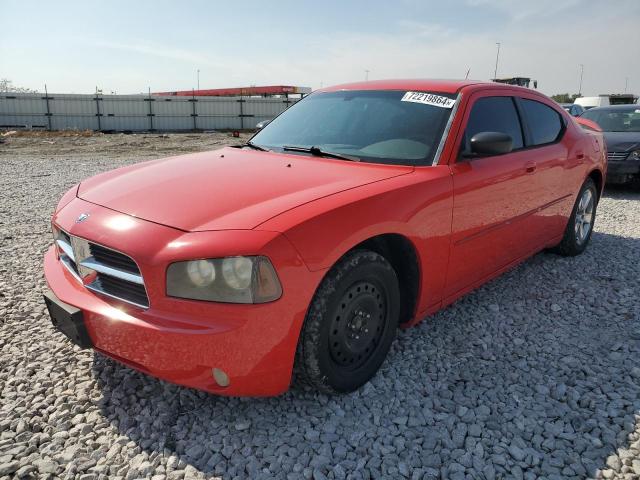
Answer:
(379, 126)
(615, 120)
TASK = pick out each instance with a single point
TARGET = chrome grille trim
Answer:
(617, 155)
(67, 249)
(98, 289)
(112, 272)
(75, 255)
(67, 263)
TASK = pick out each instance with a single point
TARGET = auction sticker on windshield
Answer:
(428, 99)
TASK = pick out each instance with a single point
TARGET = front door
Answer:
(493, 196)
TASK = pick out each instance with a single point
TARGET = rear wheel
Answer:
(580, 225)
(350, 325)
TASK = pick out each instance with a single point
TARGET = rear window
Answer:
(545, 124)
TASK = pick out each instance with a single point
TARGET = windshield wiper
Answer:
(253, 145)
(318, 152)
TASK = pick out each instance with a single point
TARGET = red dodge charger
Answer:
(362, 208)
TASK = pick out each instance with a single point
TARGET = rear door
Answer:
(493, 195)
(555, 164)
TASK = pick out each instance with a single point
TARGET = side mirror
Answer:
(262, 124)
(491, 143)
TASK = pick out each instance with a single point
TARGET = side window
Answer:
(544, 122)
(494, 114)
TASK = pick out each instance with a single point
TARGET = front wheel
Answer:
(580, 225)
(350, 325)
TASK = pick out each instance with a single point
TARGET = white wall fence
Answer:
(122, 113)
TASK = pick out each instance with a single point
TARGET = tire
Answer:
(575, 239)
(350, 325)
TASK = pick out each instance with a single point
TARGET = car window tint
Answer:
(544, 122)
(374, 125)
(494, 114)
(615, 120)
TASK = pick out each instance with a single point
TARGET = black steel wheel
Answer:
(350, 325)
(357, 326)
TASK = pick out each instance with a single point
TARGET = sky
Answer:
(131, 46)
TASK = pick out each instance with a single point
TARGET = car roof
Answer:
(428, 85)
(618, 108)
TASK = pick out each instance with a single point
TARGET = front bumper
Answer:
(622, 171)
(182, 341)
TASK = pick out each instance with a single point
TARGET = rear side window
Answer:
(494, 114)
(544, 122)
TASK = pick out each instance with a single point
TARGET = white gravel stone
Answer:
(9, 467)
(536, 374)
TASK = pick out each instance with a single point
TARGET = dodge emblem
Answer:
(82, 217)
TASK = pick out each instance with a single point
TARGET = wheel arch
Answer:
(402, 254)
(598, 179)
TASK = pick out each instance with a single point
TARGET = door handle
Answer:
(530, 167)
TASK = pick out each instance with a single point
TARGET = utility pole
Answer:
(46, 96)
(198, 78)
(495, 72)
(626, 84)
(581, 74)
(366, 75)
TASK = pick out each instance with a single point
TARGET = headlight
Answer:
(635, 155)
(201, 272)
(237, 272)
(229, 280)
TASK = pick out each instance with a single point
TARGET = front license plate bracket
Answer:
(68, 319)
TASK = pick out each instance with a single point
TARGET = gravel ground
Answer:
(535, 375)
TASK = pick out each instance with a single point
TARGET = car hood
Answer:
(226, 189)
(622, 141)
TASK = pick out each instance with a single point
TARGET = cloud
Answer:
(425, 29)
(548, 51)
(545, 40)
(162, 51)
(520, 11)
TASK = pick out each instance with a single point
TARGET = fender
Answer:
(324, 230)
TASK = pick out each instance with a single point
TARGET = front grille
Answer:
(65, 236)
(102, 269)
(617, 156)
(121, 289)
(113, 259)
